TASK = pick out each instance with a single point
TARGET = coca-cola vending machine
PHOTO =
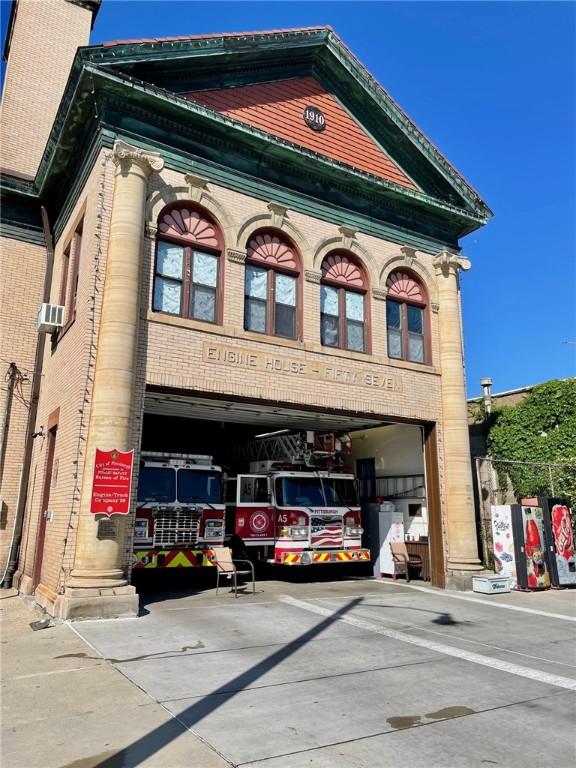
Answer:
(519, 545)
(559, 535)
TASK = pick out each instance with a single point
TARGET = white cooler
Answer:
(491, 585)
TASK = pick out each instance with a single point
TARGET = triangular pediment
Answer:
(302, 111)
(234, 104)
(265, 79)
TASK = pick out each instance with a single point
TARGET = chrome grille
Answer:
(176, 527)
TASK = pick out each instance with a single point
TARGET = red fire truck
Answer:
(299, 504)
(296, 506)
(179, 513)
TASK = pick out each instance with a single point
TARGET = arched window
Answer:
(271, 286)
(343, 303)
(406, 318)
(187, 271)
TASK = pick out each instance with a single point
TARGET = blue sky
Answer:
(492, 85)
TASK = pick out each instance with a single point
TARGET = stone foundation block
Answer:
(78, 606)
(461, 581)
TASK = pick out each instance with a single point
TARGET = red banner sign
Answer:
(112, 482)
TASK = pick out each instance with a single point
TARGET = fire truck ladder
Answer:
(292, 447)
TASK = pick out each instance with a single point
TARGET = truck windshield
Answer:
(194, 486)
(157, 484)
(315, 492)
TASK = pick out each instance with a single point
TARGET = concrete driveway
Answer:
(356, 673)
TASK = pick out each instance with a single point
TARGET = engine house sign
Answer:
(314, 118)
(300, 368)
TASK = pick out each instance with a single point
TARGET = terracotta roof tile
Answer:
(278, 109)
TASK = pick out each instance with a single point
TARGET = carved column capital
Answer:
(379, 294)
(312, 276)
(446, 262)
(237, 257)
(124, 155)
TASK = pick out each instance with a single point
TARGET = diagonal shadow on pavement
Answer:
(138, 751)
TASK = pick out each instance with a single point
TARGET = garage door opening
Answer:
(282, 486)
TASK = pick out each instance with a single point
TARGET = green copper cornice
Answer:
(20, 210)
(385, 103)
(143, 107)
(21, 232)
(168, 120)
(104, 98)
(244, 183)
(259, 43)
(16, 184)
(226, 60)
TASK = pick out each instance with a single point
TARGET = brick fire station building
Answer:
(242, 229)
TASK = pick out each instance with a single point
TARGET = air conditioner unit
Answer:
(50, 317)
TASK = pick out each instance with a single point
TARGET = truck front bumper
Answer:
(325, 556)
(172, 558)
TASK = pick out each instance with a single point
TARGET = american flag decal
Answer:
(326, 532)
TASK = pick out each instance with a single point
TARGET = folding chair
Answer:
(226, 565)
(404, 561)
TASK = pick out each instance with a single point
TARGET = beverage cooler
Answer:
(559, 535)
(519, 545)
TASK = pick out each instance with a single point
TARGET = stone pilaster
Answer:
(97, 585)
(460, 515)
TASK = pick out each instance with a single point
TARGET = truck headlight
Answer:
(299, 532)
(353, 531)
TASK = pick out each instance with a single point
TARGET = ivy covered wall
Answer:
(540, 429)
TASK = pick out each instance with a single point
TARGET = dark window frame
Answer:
(72, 297)
(270, 301)
(186, 282)
(343, 320)
(404, 304)
(69, 281)
(64, 275)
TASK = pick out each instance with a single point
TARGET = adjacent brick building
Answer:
(234, 224)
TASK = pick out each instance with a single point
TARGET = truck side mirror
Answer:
(270, 490)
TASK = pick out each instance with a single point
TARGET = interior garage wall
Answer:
(396, 449)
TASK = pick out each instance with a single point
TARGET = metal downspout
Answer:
(10, 376)
(32, 411)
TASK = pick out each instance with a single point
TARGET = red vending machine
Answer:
(519, 545)
(559, 535)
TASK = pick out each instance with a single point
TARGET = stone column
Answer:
(460, 515)
(97, 585)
